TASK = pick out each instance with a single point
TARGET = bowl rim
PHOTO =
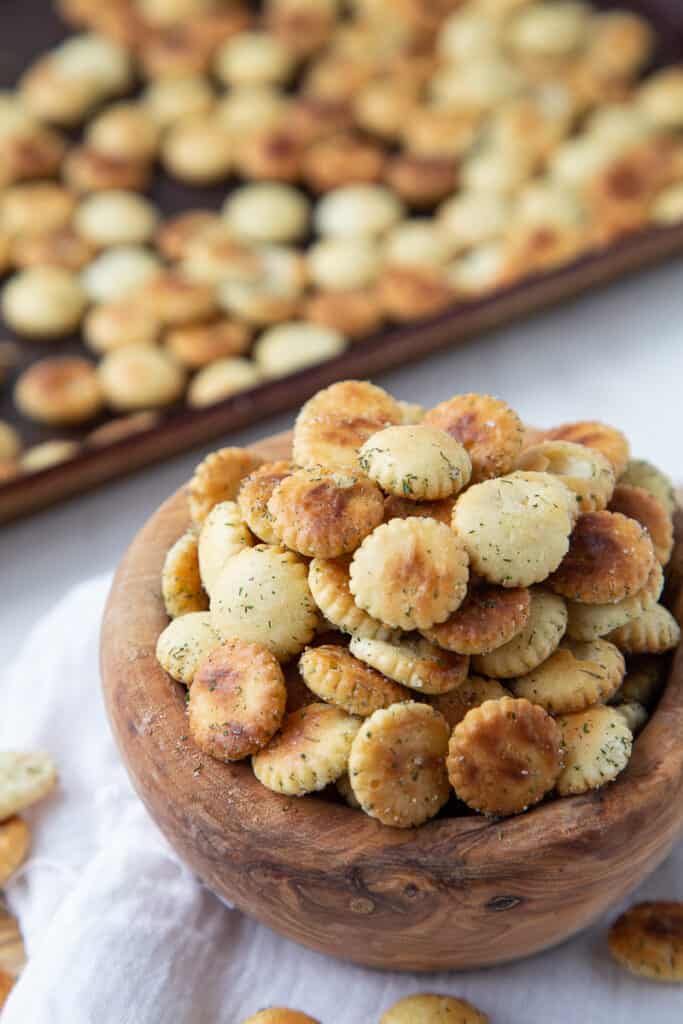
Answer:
(284, 829)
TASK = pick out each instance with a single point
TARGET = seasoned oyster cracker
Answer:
(255, 493)
(408, 293)
(329, 581)
(413, 661)
(298, 694)
(433, 1009)
(587, 621)
(15, 841)
(280, 1015)
(504, 756)
(637, 503)
(325, 514)
(181, 585)
(641, 473)
(262, 596)
(412, 412)
(183, 644)
(610, 558)
(583, 470)
(24, 779)
(217, 478)
(648, 941)
(310, 751)
(597, 746)
(237, 700)
(346, 793)
(223, 534)
(455, 704)
(419, 463)
(607, 440)
(339, 678)
(410, 573)
(489, 617)
(516, 528)
(532, 645)
(489, 429)
(404, 508)
(577, 675)
(653, 632)
(643, 681)
(397, 764)
(634, 714)
(333, 425)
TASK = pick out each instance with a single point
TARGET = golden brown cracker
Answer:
(504, 756)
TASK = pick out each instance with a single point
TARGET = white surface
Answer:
(118, 931)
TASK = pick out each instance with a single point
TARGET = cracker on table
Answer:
(648, 940)
(15, 840)
(280, 1015)
(25, 778)
(433, 1009)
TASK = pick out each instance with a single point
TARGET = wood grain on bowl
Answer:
(459, 892)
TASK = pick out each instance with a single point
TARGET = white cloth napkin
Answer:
(118, 930)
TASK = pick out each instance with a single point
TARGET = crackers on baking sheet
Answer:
(384, 176)
(419, 606)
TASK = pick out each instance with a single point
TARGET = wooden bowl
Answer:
(456, 893)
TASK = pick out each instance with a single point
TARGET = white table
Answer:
(615, 355)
